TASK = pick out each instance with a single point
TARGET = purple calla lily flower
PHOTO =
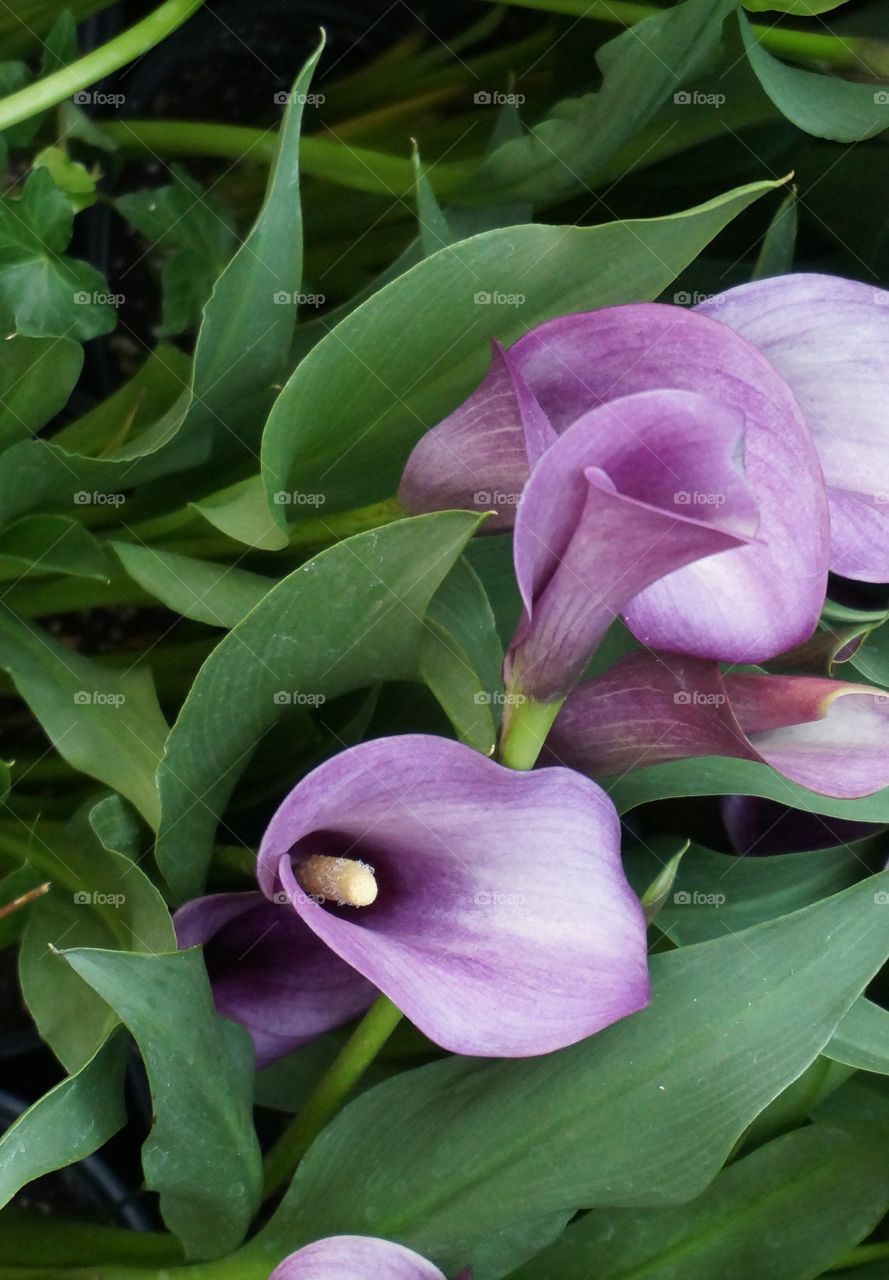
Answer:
(631, 492)
(759, 828)
(829, 340)
(426, 869)
(827, 735)
(721, 607)
(355, 1258)
(270, 972)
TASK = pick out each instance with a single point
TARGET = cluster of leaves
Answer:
(238, 482)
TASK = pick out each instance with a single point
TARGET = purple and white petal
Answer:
(472, 934)
(270, 972)
(480, 455)
(355, 1258)
(722, 608)
(826, 735)
(610, 508)
(647, 709)
(829, 340)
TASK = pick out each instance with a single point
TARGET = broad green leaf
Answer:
(249, 319)
(71, 1121)
(783, 1213)
(104, 722)
(42, 292)
(641, 1115)
(346, 420)
(241, 511)
(716, 776)
(131, 437)
(715, 893)
(99, 898)
(461, 657)
(51, 544)
(824, 105)
(642, 68)
(775, 257)
(37, 375)
(220, 595)
(872, 656)
(346, 619)
(194, 233)
(862, 1038)
(799, 8)
(121, 418)
(202, 1155)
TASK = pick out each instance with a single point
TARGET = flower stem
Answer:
(861, 1256)
(126, 47)
(330, 1093)
(525, 732)
(802, 46)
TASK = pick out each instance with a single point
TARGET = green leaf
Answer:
(241, 512)
(641, 69)
(351, 616)
(800, 8)
(220, 595)
(106, 723)
(194, 232)
(202, 1155)
(862, 1038)
(99, 898)
(775, 257)
(41, 291)
(783, 1213)
(37, 375)
(51, 544)
(71, 1121)
(716, 776)
(461, 657)
(249, 320)
(643, 1114)
(350, 445)
(824, 105)
(715, 894)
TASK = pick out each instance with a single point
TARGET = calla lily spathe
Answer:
(631, 492)
(828, 338)
(502, 923)
(720, 607)
(827, 735)
(355, 1258)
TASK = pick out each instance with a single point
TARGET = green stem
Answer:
(347, 165)
(861, 1256)
(33, 1240)
(786, 42)
(330, 1093)
(126, 47)
(524, 734)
